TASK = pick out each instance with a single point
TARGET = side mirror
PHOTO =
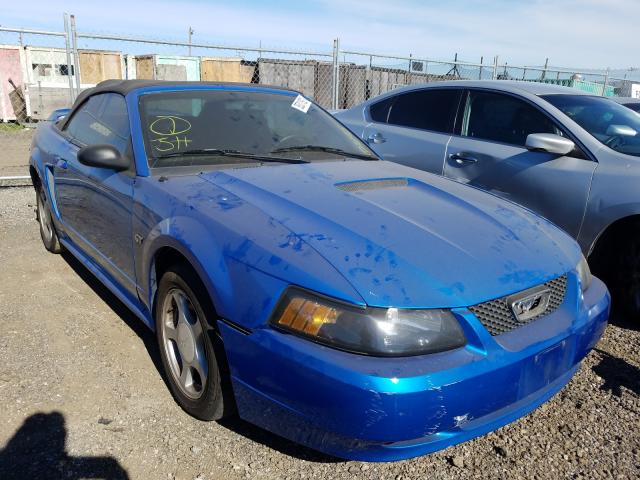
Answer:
(103, 156)
(621, 131)
(549, 142)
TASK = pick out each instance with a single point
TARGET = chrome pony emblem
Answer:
(530, 303)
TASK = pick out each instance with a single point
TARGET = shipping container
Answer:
(11, 76)
(167, 67)
(591, 87)
(98, 65)
(48, 66)
(222, 69)
(297, 75)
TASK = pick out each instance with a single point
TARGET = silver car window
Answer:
(612, 124)
(503, 118)
(429, 109)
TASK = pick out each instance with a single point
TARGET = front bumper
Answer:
(382, 409)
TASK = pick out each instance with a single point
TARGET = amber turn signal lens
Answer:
(307, 316)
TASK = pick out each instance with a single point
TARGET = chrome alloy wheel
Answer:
(184, 343)
(44, 217)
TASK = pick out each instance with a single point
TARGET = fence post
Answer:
(480, 73)
(336, 73)
(67, 47)
(76, 58)
(606, 81)
(495, 67)
(3, 107)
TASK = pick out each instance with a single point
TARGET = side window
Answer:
(102, 119)
(380, 111)
(503, 118)
(428, 109)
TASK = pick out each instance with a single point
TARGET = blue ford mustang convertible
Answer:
(359, 307)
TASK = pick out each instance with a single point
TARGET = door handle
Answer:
(463, 159)
(376, 138)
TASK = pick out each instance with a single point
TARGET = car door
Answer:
(413, 128)
(95, 203)
(488, 151)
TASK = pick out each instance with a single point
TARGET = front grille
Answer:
(497, 317)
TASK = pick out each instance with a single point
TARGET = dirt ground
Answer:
(82, 397)
(14, 155)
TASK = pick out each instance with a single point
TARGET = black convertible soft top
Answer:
(125, 86)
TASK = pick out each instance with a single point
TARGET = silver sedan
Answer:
(570, 156)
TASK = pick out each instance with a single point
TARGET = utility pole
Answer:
(70, 67)
(74, 46)
(191, 32)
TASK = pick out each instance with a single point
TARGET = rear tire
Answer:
(191, 364)
(48, 232)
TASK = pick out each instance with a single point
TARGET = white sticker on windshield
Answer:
(301, 103)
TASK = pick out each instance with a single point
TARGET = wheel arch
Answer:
(609, 237)
(168, 252)
(35, 177)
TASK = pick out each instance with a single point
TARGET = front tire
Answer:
(48, 232)
(616, 261)
(625, 282)
(186, 348)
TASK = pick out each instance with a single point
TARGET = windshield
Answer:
(214, 127)
(612, 124)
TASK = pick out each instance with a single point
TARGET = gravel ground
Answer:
(14, 152)
(82, 397)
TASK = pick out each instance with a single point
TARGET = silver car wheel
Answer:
(44, 217)
(184, 344)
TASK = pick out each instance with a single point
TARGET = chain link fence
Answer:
(41, 71)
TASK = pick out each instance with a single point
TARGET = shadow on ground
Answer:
(37, 450)
(234, 423)
(617, 373)
(282, 445)
(119, 308)
(619, 319)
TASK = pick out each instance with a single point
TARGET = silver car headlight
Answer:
(584, 274)
(370, 331)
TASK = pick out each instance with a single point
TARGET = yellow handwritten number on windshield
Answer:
(168, 128)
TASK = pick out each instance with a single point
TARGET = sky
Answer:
(571, 33)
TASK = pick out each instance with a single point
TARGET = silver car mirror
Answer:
(549, 142)
(621, 130)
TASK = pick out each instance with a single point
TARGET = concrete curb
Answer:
(15, 181)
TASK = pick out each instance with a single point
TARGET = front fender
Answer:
(599, 219)
(202, 254)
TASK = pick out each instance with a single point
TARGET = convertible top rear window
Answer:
(189, 127)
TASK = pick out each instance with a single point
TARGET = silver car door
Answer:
(413, 128)
(489, 153)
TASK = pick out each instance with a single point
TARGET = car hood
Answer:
(402, 237)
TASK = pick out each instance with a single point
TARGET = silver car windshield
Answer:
(612, 124)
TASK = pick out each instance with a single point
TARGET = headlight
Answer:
(371, 331)
(584, 273)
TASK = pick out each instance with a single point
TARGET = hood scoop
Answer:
(360, 185)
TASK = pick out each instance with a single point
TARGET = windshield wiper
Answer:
(320, 148)
(232, 153)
